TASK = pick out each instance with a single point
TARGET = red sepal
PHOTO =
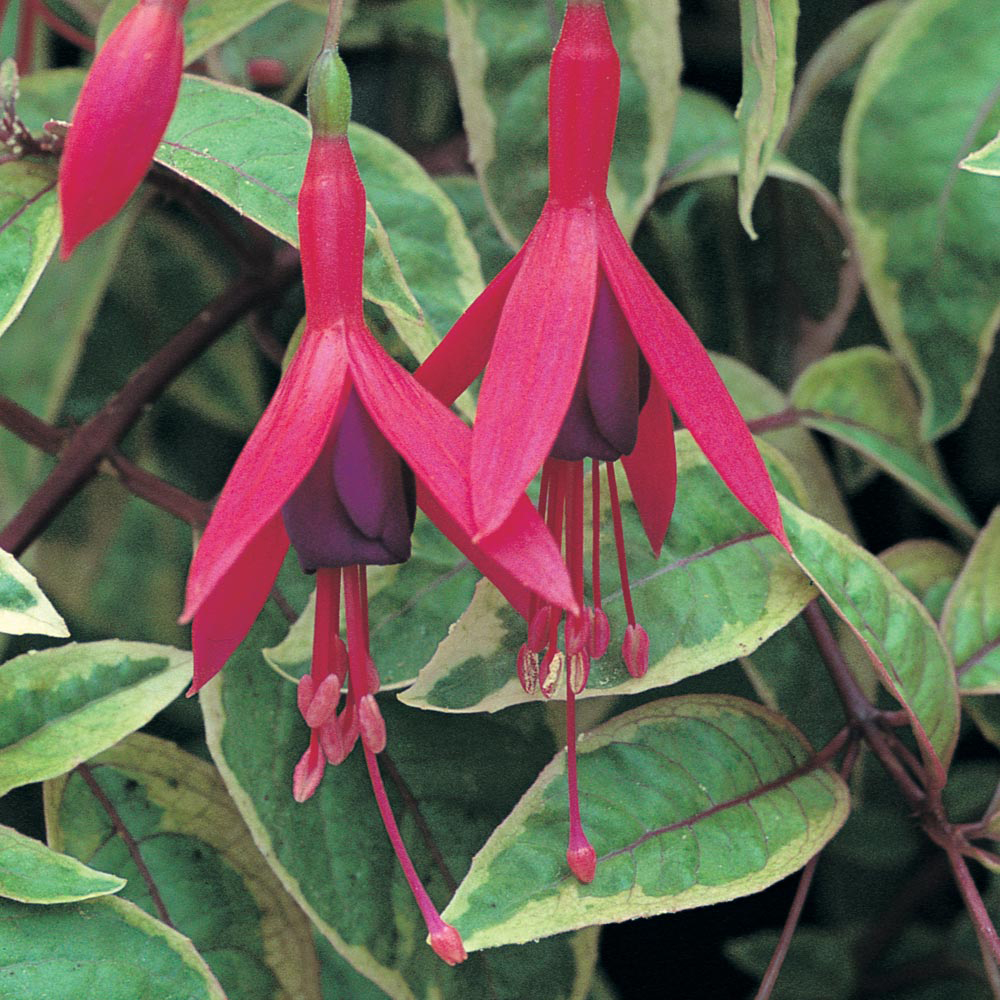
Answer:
(282, 449)
(679, 362)
(535, 363)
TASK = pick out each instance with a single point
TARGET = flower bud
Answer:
(582, 861)
(120, 117)
(447, 944)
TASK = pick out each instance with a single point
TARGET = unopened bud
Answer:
(266, 73)
(600, 633)
(550, 673)
(635, 650)
(538, 628)
(371, 724)
(527, 669)
(578, 670)
(447, 944)
(577, 632)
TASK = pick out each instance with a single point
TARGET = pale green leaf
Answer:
(29, 230)
(196, 848)
(970, 623)
(206, 22)
(927, 568)
(30, 872)
(862, 397)
(768, 31)
(24, 608)
(103, 947)
(61, 706)
(928, 233)
(687, 801)
(895, 629)
(985, 160)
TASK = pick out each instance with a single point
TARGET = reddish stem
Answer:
(24, 47)
(64, 29)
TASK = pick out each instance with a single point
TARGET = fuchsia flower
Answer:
(120, 117)
(346, 446)
(586, 359)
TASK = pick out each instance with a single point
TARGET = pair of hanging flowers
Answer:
(584, 358)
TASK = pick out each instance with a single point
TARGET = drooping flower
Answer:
(120, 117)
(585, 357)
(347, 445)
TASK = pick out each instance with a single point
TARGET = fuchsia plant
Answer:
(719, 756)
(576, 323)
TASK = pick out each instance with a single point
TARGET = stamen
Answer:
(577, 629)
(580, 856)
(616, 519)
(371, 724)
(527, 669)
(443, 938)
(600, 627)
(309, 770)
(327, 625)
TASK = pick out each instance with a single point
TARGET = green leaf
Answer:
(49, 94)
(331, 853)
(927, 568)
(29, 230)
(894, 628)
(214, 140)
(61, 706)
(688, 801)
(841, 49)
(862, 397)
(927, 232)
(411, 606)
(197, 851)
(985, 160)
(768, 30)
(23, 607)
(32, 873)
(206, 22)
(104, 948)
(502, 89)
(970, 623)
(758, 399)
(720, 587)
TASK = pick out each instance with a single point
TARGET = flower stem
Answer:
(333, 22)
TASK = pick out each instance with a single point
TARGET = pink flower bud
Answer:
(267, 73)
(120, 117)
(582, 861)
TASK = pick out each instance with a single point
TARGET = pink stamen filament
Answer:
(427, 909)
(616, 518)
(595, 532)
(580, 851)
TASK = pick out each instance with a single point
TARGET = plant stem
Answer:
(333, 21)
(82, 454)
(127, 839)
(986, 934)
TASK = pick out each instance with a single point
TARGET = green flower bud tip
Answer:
(329, 94)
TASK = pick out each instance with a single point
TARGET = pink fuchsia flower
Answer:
(120, 117)
(585, 357)
(347, 445)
